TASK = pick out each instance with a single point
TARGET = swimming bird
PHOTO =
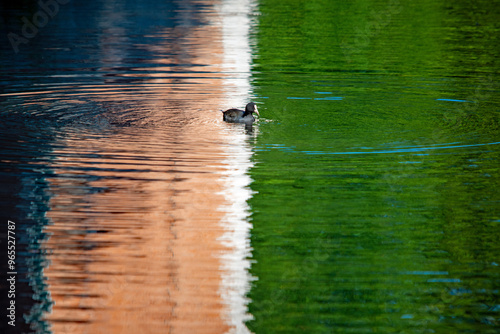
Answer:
(240, 116)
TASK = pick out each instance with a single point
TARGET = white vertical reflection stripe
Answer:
(236, 264)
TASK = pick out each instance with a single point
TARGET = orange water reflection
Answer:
(141, 214)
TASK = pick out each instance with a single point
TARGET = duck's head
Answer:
(252, 108)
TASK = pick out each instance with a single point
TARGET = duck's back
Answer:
(233, 115)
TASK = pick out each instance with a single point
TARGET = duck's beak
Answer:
(256, 111)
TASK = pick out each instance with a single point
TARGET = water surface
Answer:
(364, 200)
(376, 169)
(128, 189)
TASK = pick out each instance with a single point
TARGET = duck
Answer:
(241, 116)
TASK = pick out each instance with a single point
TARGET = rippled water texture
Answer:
(365, 199)
(129, 187)
(377, 174)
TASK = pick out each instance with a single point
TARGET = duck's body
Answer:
(241, 116)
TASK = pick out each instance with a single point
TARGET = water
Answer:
(376, 170)
(364, 200)
(128, 190)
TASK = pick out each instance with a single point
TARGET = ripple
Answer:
(452, 100)
(119, 151)
(411, 149)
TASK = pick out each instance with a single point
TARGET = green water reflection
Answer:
(376, 167)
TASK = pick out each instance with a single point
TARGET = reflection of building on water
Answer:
(237, 59)
(149, 226)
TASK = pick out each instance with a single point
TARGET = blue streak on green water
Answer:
(451, 100)
(329, 98)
